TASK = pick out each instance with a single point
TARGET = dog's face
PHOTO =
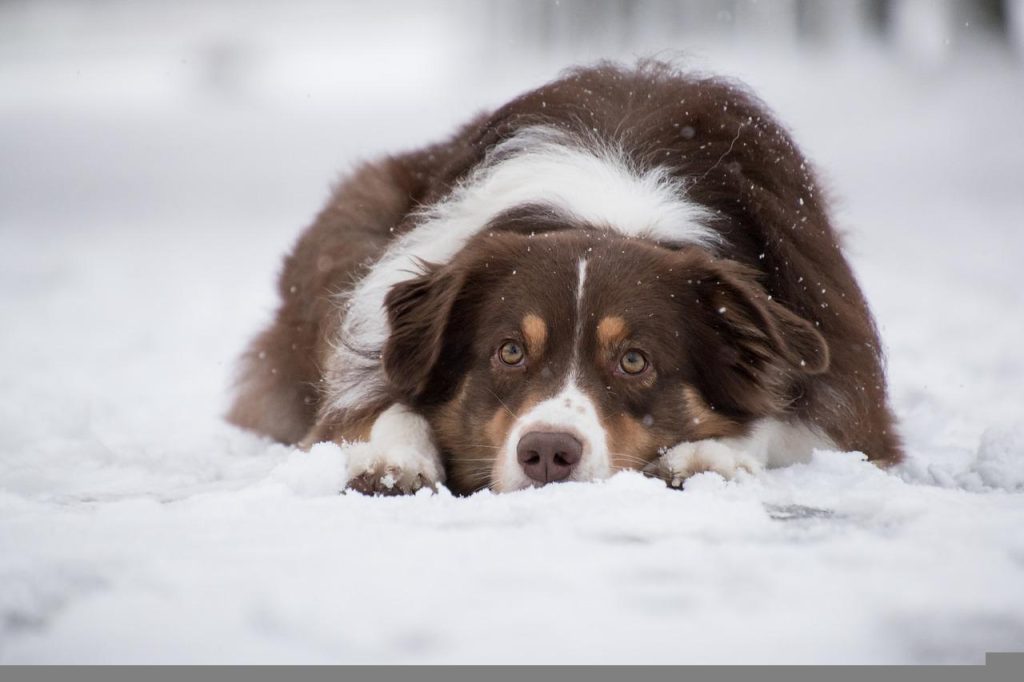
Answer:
(570, 354)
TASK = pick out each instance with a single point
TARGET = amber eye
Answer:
(633, 362)
(511, 353)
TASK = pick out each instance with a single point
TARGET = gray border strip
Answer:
(999, 667)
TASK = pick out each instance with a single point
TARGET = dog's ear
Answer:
(419, 311)
(750, 348)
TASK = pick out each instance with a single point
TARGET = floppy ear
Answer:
(419, 311)
(757, 346)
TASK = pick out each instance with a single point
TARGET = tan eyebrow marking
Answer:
(536, 333)
(611, 330)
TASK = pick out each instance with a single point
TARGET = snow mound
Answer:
(999, 462)
(320, 471)
(996, 463)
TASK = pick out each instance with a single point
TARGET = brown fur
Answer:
(725, 369)
(706, 422)
(280, 387)
(632, 444)
(795, 339)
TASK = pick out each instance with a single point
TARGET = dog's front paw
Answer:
(686, 459)
(398, 471)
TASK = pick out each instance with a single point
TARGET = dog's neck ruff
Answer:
(586, 181)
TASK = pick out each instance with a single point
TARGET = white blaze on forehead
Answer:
(577, 337)
(570, 411)
(585, 180)
(581, 279)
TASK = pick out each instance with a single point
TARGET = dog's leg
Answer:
(768, 443)
(395, 456)
(724, 457)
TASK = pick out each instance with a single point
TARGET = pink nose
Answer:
(547, 457)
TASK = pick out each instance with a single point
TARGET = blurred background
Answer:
(108, 100)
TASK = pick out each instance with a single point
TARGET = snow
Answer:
(143, 213)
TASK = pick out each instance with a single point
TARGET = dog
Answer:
(630, 267)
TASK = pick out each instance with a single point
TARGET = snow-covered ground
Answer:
(150, 183)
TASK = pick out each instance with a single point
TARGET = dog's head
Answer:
(573, 353)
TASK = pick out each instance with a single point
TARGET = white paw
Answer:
(686, 459)
(400, 457)
(396, 471)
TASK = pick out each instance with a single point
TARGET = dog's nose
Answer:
(547, 457)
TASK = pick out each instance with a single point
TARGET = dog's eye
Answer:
(633, 362)
(511, 353)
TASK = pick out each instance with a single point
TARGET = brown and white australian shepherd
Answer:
(627, 268)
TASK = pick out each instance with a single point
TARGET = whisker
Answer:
(507, 408)
(629, 459)
(484, 483)
(481, 473)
